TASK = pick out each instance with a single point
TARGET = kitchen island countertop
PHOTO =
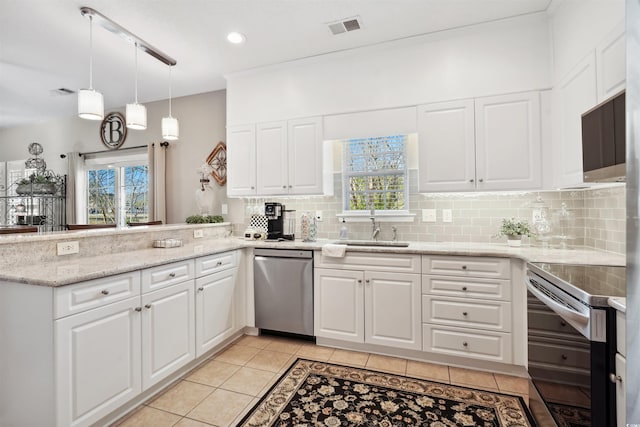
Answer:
(64, 272)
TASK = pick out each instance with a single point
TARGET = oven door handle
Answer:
(559, 308)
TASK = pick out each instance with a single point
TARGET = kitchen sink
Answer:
(386, 243)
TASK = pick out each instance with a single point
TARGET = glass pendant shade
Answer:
(136, 116)
(170, 128)
(90, 104)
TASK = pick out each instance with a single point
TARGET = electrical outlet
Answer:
(198, 234)
(428, 215)
(225, 209)
(447, 216)
(318, 216)
(68, 248)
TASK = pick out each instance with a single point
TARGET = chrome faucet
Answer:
(375, 228)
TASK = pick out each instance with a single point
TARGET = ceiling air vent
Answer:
(345, 25)
(62, 91)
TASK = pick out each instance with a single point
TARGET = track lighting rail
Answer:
(115, 28)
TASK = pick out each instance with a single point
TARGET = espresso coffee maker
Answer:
(275, 214)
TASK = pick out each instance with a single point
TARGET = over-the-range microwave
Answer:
(603, 141)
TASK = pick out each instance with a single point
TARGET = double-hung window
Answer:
(375, 175)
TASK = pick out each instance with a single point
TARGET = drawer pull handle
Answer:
(105, 292)
(563, 323)
(615, 378)
(465, 344)
(464, 313)
(147, 306)
(138, 309)
(564, 357)
(200, 289)
(172, 274)
(218, 264)
(464, 267)
(464, 288)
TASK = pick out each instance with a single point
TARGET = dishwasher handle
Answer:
(283, 253)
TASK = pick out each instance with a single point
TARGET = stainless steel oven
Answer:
(571, 342)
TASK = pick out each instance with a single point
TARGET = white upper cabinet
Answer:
(446, 134)
(508, 148)
(241, 160)
(271, 156)
(278, 158)
(574, 95)
(492, 143)
(611, 61)
(306, 163)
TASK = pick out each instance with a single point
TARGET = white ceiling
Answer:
(44, 43)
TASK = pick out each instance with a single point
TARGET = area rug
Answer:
(570, 416)
(323, 394)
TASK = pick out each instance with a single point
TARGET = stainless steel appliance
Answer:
(275, 213)
(603, 141)
(283, 290)
(571, 341)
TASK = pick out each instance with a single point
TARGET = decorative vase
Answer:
(514, 240)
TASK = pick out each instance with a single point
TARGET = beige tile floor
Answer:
(223, 389)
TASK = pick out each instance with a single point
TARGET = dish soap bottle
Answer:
(344, 231)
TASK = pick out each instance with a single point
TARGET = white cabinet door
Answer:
(168, 331)
(446, 138)
(573, 96)
(339, 304)
(621, 396)
(215, 309)
(611, 59)
(393, 310)
(271, 158)
(508, 149)
(241, 161)
(97, 362)
(305, 156)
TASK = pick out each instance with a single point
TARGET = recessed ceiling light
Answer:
(236, 38)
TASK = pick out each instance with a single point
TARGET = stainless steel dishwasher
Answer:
(283, 290)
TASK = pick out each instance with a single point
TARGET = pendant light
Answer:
(170, 128)
(90, 101)
(136, 114)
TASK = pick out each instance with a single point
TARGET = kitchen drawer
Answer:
(486, 315)
(95, 293)
(485, 345)
(166, 275)
(621, 332)
(214, 263)
(561, 354)
(401, 263)
(466, 266)
(543, 321)
(494, 289)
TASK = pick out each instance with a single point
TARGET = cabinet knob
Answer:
(253, 188)
(464, 267)
(464, 313)
(218, 264)
(464, 288)
(147, 306)
(564, 357)
(563, 323)
(138, 309)
(200, 289)
(367, 281)
(105, 292)
(481, 180)
(291, 186)
(465, 344)
(284, 186)
(172, 274)
(615, 378)
(471, 180)
(359, 280)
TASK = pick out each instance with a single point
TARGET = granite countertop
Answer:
(66, 272)
(619, 303)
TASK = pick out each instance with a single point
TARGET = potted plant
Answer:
(514, 230)
(39, 183)
(203, 219)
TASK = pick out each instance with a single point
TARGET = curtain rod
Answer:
(115, 28)
(162, 144)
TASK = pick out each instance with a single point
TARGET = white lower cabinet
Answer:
(168, 331)
(98, 362)
(371, 307)
(215, 309)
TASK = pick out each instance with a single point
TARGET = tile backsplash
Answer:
(596, 217)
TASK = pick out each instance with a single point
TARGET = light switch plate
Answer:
(68, 248)
(447, 216)
(225, 209)
(428, 215)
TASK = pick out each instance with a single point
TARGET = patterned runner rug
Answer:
(323, 394)
(570, 416)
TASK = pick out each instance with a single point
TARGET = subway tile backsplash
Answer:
(596, 216)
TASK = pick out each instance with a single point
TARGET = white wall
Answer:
(506, 56)
(202, 125)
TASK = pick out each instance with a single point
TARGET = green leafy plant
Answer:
(204, 219)
(46, 177)
(514, 227)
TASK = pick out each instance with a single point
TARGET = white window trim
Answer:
(380, 216)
